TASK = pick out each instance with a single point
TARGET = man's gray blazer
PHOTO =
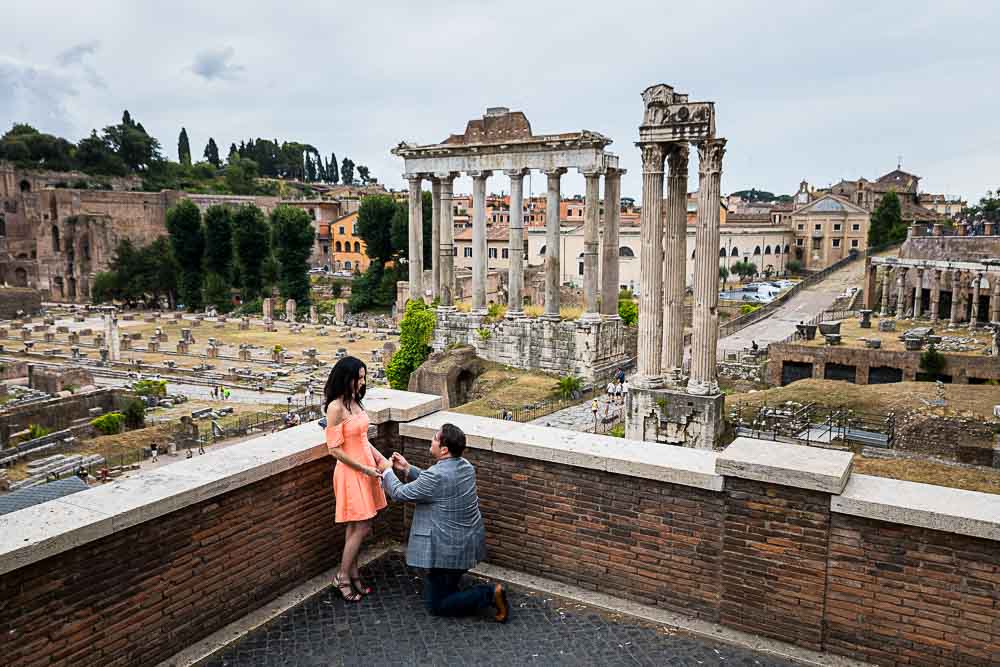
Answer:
(447, 530)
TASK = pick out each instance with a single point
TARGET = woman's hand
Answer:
(371, 472)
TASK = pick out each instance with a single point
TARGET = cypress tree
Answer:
(183, 149)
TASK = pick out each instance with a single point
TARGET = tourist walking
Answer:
(356, 484)
(447, 536)
(154, 450)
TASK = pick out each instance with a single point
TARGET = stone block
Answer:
(887, 325)
(798, 466)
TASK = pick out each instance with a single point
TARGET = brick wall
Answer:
(140, 595)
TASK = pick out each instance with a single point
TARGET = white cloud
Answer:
(216, 64)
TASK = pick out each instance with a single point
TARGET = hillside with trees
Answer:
(255, 166)
(753, 195)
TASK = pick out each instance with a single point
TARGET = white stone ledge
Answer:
(44, 530)
(648, 460)
(789, 465)
(922, 505)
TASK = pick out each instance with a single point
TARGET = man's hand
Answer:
(399, 463)
(384, 465)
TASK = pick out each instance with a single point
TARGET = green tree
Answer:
(253, 247)
(628, 311)
(744, 269)
(932, 362)
(132, 144)
(886, 224)
(95, 155)
(293, 243)
(219, 241)
(241, 175)
(183, 149)
(212, 153)
(135, 414)
(332, 171)
(375, 224)
(363, 174)
(218, 292)
(794, 266)
(347, 171)
(187, 238)
(723, 276)
(415, 330)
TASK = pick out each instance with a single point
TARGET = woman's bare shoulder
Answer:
(335, 412)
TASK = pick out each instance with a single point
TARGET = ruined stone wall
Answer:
(13, 299)
(955, 438)
(56, 413)
(951, 248)
(960, 367)
(592, 351)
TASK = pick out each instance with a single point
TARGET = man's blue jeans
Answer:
(442, 597)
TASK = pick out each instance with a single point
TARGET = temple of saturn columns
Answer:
(668, 404)
(592, 347)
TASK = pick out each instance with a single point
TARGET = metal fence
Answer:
(816, 425)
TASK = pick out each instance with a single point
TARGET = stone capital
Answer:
(710, 154)
(593, 172)
(616, 172)
(482, 173)
(446, 176)
(678, 158)
(516, 173)
(557, 172)
(414, 178)
(652, 158)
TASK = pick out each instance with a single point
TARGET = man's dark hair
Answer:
(453, 438)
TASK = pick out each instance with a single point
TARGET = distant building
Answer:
(827, 229)
(340, 247)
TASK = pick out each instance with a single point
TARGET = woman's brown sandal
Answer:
(359, 586)
(351, 595)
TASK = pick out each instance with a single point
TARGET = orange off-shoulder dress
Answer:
(359, 497)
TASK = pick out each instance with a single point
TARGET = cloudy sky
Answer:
(803, 89)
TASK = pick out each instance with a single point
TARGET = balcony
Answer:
(617, 552)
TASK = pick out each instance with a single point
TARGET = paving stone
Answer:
(391, 626)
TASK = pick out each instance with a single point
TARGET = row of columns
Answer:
(902, 300)
(600, 283)
(662, 291)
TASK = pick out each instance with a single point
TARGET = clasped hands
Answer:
(396, 462)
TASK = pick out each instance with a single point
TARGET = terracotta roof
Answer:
(495, 232)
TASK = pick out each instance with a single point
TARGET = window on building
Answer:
(347, 264)
(836, 243)
(504, 253)
(837, 226)
(454, 251)
(581, 268)
(817, 244)
(855, 227)
(767, 250)
(337, 247)
(799, 242)
(354, 229)
(491, 253)
(855, 243)
(735, 252)
(801, 227)
(756, 250)
(357, 246)
(625, 251)
(467, 252)
(341, 230)
(818, 226)
(786, 248)
(541, 251)
(326, 250)
(55, 238)
(722, 252)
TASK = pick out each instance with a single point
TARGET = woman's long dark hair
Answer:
(340, 384)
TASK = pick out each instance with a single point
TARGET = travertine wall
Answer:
(951, 248)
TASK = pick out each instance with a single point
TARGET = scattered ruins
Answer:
(665, 403)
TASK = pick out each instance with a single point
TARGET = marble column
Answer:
(918, 294)
(650, 263)
(886, 289)
(675, 265)
(901, 294)
(415, 256)
(515, 279)
(591, 238)
(994, 298)
(956, 297)
(435, 238)
(609, 242)
(446, 250)
(479, 245)
(935, 294)
(974, 306)
(705, 314)
(552, 241)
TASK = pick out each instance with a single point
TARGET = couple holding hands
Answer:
(447, 537)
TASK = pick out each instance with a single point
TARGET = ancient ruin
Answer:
(664, 405)
(503, 141)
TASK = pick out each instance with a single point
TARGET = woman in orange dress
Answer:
(357, 484)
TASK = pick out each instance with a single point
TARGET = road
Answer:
(803, 306)
(237, 395)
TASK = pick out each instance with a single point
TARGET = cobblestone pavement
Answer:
(391, 627)
(581, 417)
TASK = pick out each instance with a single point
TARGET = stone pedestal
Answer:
(290, 308)
(244, 324)
(675, 417)
(313, 315)
(268, 306)
(245, 353)
(866, 319)
(126, 343)
(74, 338)
(183, 347)
(340, 310)
(269, 326)
(152, 346)
(50, 337)
(212, 352)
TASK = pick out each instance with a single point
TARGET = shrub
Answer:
(628, 310)
(155, 388)
(496, 312)
(415, 330)
(533, 311)
(110, 423)
(37, 431)
(570, 312)
(932, 362)
(336, 289)
(617, 431)
(328, 307)
(484, 334)
(135, 414)
(252, 307)
(569, 385)
(626, 294)
(794, 266)
(748, 308)
(463, 306)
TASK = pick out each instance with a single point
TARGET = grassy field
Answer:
(503, 387)
(985, 480)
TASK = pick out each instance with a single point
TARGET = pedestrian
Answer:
(228, 393)
(611, 391)
(154, 450)
(624, 391)
(190, 454)
(621, 375)
(201, 448)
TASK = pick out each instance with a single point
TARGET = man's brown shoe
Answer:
(500, 602)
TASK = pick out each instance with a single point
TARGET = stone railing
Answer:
(773, 539)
